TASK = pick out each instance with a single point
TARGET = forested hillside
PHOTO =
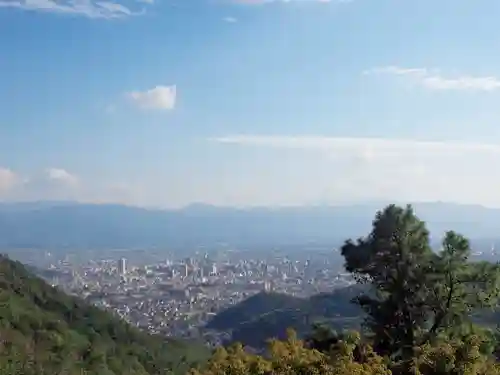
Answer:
(260, 304)
(269, 315)
(44, 331)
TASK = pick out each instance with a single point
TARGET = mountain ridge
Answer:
(70, 224)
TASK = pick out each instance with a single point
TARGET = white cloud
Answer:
(86, 8)
(160, 97)
(59, 184)
(8, 179)
(230, 19)
(434, 80)
(49, 184)
(352, 169)
(62, 176)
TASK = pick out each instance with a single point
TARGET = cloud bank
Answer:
(261, 170)
(434, 80)
(58, 184)
(336, 169)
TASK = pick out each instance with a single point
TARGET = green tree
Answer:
(293, 357)
(413, 294)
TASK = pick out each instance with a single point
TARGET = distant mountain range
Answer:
(74, 225)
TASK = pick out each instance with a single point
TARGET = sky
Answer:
(163, 103)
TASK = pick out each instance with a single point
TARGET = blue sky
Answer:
(162, 103)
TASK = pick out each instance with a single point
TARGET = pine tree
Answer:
(415, 294)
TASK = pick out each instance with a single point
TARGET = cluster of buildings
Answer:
(178, 297)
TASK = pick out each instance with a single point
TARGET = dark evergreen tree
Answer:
(415, 294)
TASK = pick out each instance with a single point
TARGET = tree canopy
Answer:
(349, 355)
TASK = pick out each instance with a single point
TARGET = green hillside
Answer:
(255, 320)
(269, 315)
(44, 331)
(253, 307)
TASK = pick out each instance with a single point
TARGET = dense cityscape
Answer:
(177, 296)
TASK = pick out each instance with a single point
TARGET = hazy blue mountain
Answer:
(68, 224)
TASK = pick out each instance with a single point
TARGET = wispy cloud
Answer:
(382, 146)
(261, 2)
(230, 19)
(159, 97)
(86, 8)
(434, 80)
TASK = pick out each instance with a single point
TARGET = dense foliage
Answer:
(44, 331)
(419, 307)
(349, 355)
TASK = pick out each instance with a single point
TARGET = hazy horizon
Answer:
(377, 204)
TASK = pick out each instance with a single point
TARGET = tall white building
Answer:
(122, 266)
(268, 286)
